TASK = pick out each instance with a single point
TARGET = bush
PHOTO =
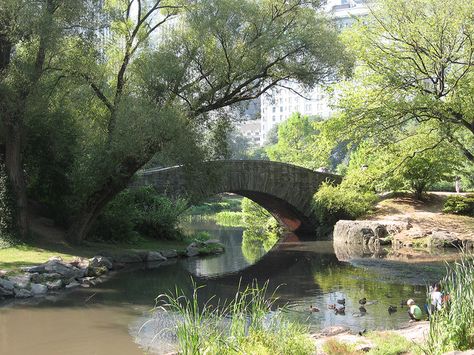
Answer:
(139, 212)
(460, 205)
(332, 203)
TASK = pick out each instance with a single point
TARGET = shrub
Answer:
(139, 212)
(460, 205)
(332, 203)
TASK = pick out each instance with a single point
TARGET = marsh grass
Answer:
(452, 328)
(250, 323)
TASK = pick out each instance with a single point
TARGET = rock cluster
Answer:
(55, 274)
(367, 232)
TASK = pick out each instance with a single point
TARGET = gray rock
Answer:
(34, 269)
(128, 258)
(98, 261)
(97, 271)
(55, 258)
(212, 241)
(444, 239)
(38, 289)
(4, 292)
(7, 284)
(192, 250)
(54, 285)
(169, 253)
(21, 281)
(73, 284)
(154, 256)
(23, 293)
(65, 270)
(360, 232)
(81, 263)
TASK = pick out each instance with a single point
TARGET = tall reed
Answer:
(247, 324)
(452, 328)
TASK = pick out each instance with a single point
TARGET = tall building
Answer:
(280, 102)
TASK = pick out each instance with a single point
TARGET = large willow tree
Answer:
(142, 78)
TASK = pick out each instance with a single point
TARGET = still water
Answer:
(117, 317)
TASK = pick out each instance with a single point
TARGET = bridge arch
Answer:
(285, 190)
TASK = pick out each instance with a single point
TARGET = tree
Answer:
(295, 140)
(147, 97)
(416, 65)
(31, 33)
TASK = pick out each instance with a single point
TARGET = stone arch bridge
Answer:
(285, 190)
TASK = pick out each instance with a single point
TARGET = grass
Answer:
(38, 252)
(217, 204)
(452, 328)
(335, 347)
(248, 324)
(390, 343)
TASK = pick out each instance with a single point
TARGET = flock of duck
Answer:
(340, 307)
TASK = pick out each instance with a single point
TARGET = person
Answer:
(414, 311)
(436, 298)
(457, 184)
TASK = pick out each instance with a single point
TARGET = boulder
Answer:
(55, 258)
(22, 293)
(65, 270)
(6, 292)
(168, 254)
(193, 249)
(128, 258)
(38, 289)
(73, 284)
(21, 281)
(54, 285)
(81, 263)
(154, 256)
(7, 284)
(99, 261)
(366, 232)
(442, 239)
(97, 271)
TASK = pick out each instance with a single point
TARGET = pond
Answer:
(116, 317)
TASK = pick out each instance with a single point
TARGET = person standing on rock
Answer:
(436, 298)
(414, 311)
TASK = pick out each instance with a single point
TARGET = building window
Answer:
(274, 109)
(281, 108)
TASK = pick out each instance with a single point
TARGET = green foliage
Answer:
(229, 219)
(7, 212)
(242, 325)
(216, 205)
(295, 140)
(452, 328)
(261, 232)
(332, 203)
(458, 204)
(139, 212)
(406, 75)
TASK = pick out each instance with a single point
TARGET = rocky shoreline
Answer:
(361, 238)
(56, 275)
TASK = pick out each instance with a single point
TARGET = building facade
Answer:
(280, 102)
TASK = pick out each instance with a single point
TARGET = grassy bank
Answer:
(40, 251)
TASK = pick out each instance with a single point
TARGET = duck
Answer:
(362, 309)
(363, 301)
(341, 310)
(313, 309)
(392, 309)
(331, 306)
(342, 301)
(362, 332)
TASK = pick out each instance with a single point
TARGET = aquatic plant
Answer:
(452, 328)
(250, 323)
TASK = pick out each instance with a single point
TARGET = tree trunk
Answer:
(84, 220)
(14, 168)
